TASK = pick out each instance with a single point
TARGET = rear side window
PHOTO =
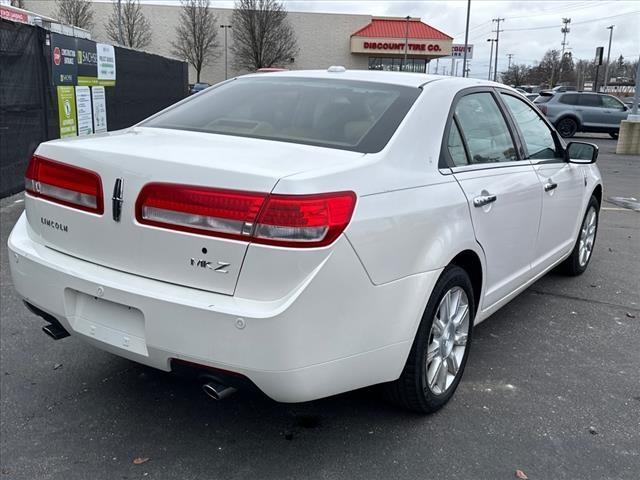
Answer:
(342, 114)
(589, 100)
(569, 99)
(456, 147)
(484, 129)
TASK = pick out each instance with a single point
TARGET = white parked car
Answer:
(306, 233)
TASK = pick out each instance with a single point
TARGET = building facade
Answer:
(324, 39)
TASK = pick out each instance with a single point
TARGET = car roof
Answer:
(393, 78)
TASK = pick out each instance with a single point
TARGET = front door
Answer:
(503, 192)
(561, 184)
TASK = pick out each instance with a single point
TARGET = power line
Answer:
(575, 23)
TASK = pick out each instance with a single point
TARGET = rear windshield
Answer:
(342, 114)
(542, 98)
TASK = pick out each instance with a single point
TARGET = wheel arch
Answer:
(470, 262)
(572, 116)
(597, 192)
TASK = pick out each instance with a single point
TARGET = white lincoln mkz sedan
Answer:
(306, 233)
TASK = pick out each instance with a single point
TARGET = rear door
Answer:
(561, 183)
(591, 111)
(503, 190)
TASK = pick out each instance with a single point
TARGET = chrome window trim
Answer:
(490, 166)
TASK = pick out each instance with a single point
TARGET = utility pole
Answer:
(120, 22)
(466, 40)
(406, 41)
(497, 30)
(564, 30)
(492, 40)
(226, 28)
(606, 68)
(510, 55)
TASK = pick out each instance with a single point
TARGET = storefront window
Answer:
(417, 65)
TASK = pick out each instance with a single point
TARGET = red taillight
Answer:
(208, 211)
(542, 108)
(304, 220)
(282, 220)
(65, 184)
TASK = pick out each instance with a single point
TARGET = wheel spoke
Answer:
(433, 351)
(441, 378)
(454, 303)
(433, 372)
(452, 364)
(461, 315)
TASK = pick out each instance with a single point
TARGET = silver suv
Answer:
(573, 112)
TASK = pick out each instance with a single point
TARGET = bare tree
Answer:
(516, 75)
(17, 3)
(262, 34)
(136, 29)
(197, 34)
(76, 12)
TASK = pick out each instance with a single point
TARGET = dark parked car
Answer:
(573, 112)
(198, 87)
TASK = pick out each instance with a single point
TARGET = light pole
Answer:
(492, 40)
(606, 68)
(466, 41)
(120, 22)
(406, 41)
(497, 30)
(225, 27)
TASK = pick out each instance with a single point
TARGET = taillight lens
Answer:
(304, 220)
(282, 220)
(209, 211)
(64, 184)
(542, 108)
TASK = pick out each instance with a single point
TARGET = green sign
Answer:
(67, 111)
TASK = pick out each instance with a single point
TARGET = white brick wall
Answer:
(323, 38)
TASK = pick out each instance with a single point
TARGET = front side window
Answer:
(535, 133)
(484, 129)
(341, 114)
(610, 102)
(589, 100)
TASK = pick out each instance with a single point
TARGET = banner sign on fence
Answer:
(77, 61)
(83, 108)
(99, 109)
(106, 62)
(67, 111)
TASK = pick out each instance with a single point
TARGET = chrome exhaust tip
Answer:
(217, 391)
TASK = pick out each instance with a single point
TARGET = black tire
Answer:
(572, 266)
(613, 135)
(411, 390)
(567, 127)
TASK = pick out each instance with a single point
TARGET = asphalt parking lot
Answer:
(552, 388)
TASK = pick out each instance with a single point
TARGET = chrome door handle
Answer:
(550, 186)
(483, 200)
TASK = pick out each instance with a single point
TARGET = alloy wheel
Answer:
(587, 236)
(447, 340)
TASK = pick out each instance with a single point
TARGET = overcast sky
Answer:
(531, 27)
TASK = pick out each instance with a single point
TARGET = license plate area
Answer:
(109, 322)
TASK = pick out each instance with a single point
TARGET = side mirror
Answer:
(581, 152)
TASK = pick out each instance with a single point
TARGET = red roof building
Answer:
(388, 40)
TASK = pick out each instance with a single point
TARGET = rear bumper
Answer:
(334, 333)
